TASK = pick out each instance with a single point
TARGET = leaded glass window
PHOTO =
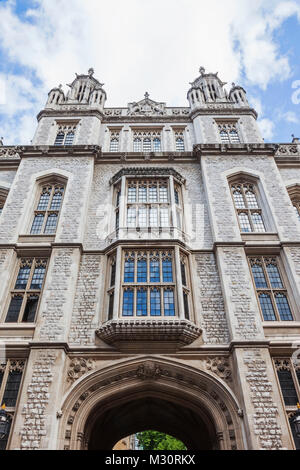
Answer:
(48, 209)
(152, 288)
(147, 141)
(26, 291)
(246, 203)
(228, 133)
(148, 204)
(271, 291)
(288, 372)
(11, 372)
(180, 144)
(114, 145)
(65, 134)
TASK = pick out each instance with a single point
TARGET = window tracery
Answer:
(271, 290)
(26, 291)
(65, 134)
(147, 141)
(246, 202)
(48, 209)
(228, 133)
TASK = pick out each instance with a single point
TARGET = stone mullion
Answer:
(179, 287)
(118, 282)
(123, 204)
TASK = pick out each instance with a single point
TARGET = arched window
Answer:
(246, 202)
(65, 134)
(137, 145)
(180, 144)
(147, 141)
(48, 209)
(114, 145)
(270, 287)
(228, 133)
(26, 290)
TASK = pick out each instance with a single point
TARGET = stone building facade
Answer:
(150, 274)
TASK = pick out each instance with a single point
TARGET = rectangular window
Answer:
(271, 291)
(26, 291)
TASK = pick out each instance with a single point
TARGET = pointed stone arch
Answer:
(159, 380)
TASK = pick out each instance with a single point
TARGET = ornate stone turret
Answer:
(207, 88)
(55, 96)
(86, 89)
(238, 95)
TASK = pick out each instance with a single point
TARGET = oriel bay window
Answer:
(148, 204)
(26, 291)
(48, 209)
(246, 202)
(271, 290)
(148, 284)
(11, 372)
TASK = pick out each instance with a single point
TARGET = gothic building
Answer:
(149, 274)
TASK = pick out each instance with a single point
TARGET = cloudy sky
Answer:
(150, 45)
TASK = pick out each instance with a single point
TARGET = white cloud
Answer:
(139, 45)
(290, 116)
(267, 128)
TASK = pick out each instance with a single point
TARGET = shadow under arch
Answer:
(150, 393)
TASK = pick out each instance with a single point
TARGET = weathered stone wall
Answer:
(20, 203)
(58, 296)
(7, 177)
(241, 305)
(266, 415)
(209, 302)
(223, 217)
(100, 208)
(88, 301)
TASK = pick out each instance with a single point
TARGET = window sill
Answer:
(259, 236)
(12, 330)
(281, 328)
(36, 238)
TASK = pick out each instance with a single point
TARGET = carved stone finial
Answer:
(60, 86)
(146, 95)
(202, 70)
(91, 72)
(233, 85)
(1, 141)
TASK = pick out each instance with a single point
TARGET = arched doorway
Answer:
(146, 411)
(145, 393)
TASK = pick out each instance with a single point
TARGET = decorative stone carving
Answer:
(176, 332)
(78, 367)
(146, 107)
(10, 152)
(149, 370)
(288, 149)
(219, 366)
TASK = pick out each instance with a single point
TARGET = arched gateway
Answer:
(150, 393)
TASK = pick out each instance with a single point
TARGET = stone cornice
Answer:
(70, 113)
(235, 149)
(147, 172)
(30, 151)
(223, 109)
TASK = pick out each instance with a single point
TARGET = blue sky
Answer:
(156, 46)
